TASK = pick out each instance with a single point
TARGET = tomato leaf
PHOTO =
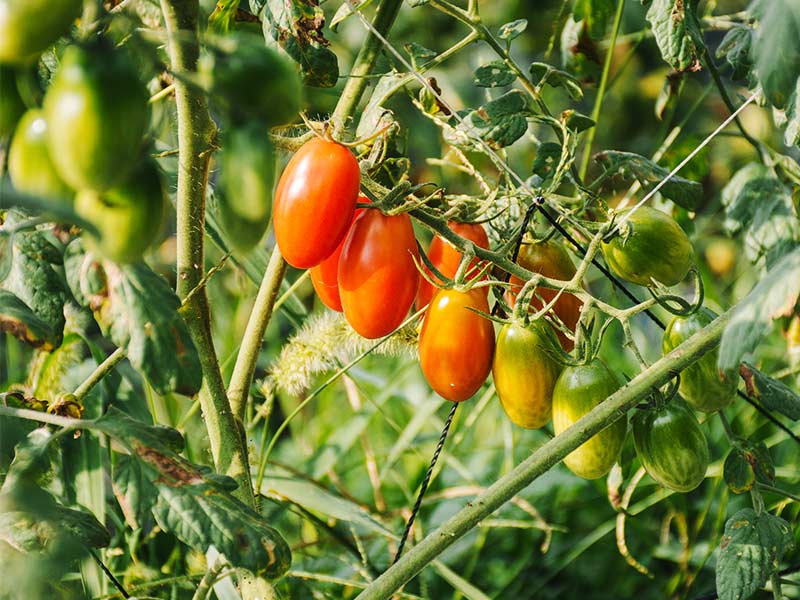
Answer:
(595, 13)
(671, 27)
(499, 123)
(419, 54)
(762, 206)
(512, 30)
(736, 47)
(775, 49)
(747, 463)
(20, 321)
(773, 394)
(296, 28)
(137, 310)
(774, 296)
(494, 74)
(548, 155)
(542, 73)
(751, 549)
(630, 166)
(789, 118)
(579, 52)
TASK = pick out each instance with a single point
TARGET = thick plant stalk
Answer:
(612, 409)
(254, 333)
(195, 134)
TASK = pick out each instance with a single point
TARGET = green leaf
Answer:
(747, 463)
(763, 207)
(548, 155)
(775, 49)
(135, 494)
(419, 54)
(577, 121)
(579, 52)
(542, 73)
(296, 28)
(512, 30)
(671, 28)
(791, 118)
(773, 394)
(630, 166)
(375, 116)
(494, 74)
(49, 377)
(595, 13)
(750, 552)
(499, 123)
(20, 321)
(344, 11)
(736, 47)
(138, 310)
(774, 296)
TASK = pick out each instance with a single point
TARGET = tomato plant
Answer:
(651, 246)
(702, 384)
(315, 201)
(97, 115)
(456, 343)
(28, 27)
(550, 259)
(671, 445)
(29, 163)
(446, 258)
(377, 275)
(11, 105)
(525, 370)
(578, 390)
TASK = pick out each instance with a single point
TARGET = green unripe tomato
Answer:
(525, 372)
(11, 105)
(247, 177)
(128, 217)
(578, 390)
(671, 445)
(29, 164)
(248, 79)
(702, 384)
(97, 114)
(28, 27)
(651, 246)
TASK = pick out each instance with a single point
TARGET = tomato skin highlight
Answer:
(28, 27)
(377, 275)
(97, 114)
(656, 247)
(29, 164)
(456, 344)
(671, 445)
(525, 373)
(549, 258)
(578, 390)
(701, 382)
(315, 202)
(325, 276)
(446, 258)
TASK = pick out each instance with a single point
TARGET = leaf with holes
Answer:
(775, 49)
(630, 166)
(542, 73)
(774, 296)
(671, 28)
(499, 123)
(296, 28)
(512, 30)
(750, 552)
(595, 13)
(761, 206)
(547, 158)
(736, 47)
(773, 394)
(494, 74)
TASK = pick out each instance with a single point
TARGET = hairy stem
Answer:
(103, 369)
(612, 409)
(195, 137)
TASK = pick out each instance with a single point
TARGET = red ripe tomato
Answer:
(325, 276)
(315, 201)
(456, 344)
(550, 259)
(444, 256)
(378, 277)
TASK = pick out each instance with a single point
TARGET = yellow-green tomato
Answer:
(247, 176)
(702, 384)
(128, 217)
(29, 164)
(525, 373)
(651, 245)
(97, 114)
(578, 390)
(28, 27)
(11, 105)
